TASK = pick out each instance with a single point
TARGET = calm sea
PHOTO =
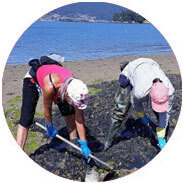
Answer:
(85, 41)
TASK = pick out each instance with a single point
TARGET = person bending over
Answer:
(141, 80)
(57, 85)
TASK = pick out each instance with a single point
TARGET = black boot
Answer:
(111, 133)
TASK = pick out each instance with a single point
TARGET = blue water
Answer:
(87, 41)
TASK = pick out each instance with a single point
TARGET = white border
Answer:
(16, 16)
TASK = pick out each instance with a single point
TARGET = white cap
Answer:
(78, 92)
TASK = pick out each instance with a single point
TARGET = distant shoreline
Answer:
(97, 21)
(116, 57)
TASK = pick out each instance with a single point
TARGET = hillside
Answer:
(84, 11)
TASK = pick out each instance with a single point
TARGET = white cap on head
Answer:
(78, 92)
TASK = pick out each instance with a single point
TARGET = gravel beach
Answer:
(128, 153)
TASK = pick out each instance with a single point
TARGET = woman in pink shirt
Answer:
(59, 86)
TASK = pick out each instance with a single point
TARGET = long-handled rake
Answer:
(76, 147)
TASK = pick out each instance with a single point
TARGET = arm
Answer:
(163, 118)
(161, 129)
(137, 104)
(47, 101)
(79, 120)
(48, 95)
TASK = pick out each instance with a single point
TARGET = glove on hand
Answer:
(161, 142)
(145, 120)
(51, 132)
(85, 149)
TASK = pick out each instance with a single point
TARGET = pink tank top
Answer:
(45, 70)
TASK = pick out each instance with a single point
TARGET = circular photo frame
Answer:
(109, 90)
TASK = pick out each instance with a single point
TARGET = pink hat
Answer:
(159, 97)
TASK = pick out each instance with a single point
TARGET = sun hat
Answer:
(159, 97)
(78, 92)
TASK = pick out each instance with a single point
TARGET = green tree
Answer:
(128, 16)
(116, 17)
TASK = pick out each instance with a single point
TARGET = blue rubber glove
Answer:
(145, 120)
(85, 149)
(51, 132)
(161, 142)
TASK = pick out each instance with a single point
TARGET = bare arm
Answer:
(48, 95)
(79, 120)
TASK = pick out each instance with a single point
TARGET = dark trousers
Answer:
(30, 97)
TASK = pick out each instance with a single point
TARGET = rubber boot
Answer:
(111, 133)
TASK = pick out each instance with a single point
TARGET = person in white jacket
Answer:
(141, 80)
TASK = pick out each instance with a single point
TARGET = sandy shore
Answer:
(91, 71)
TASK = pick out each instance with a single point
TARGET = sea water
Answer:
(87, 41)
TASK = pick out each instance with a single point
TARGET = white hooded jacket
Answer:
(141, 73)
